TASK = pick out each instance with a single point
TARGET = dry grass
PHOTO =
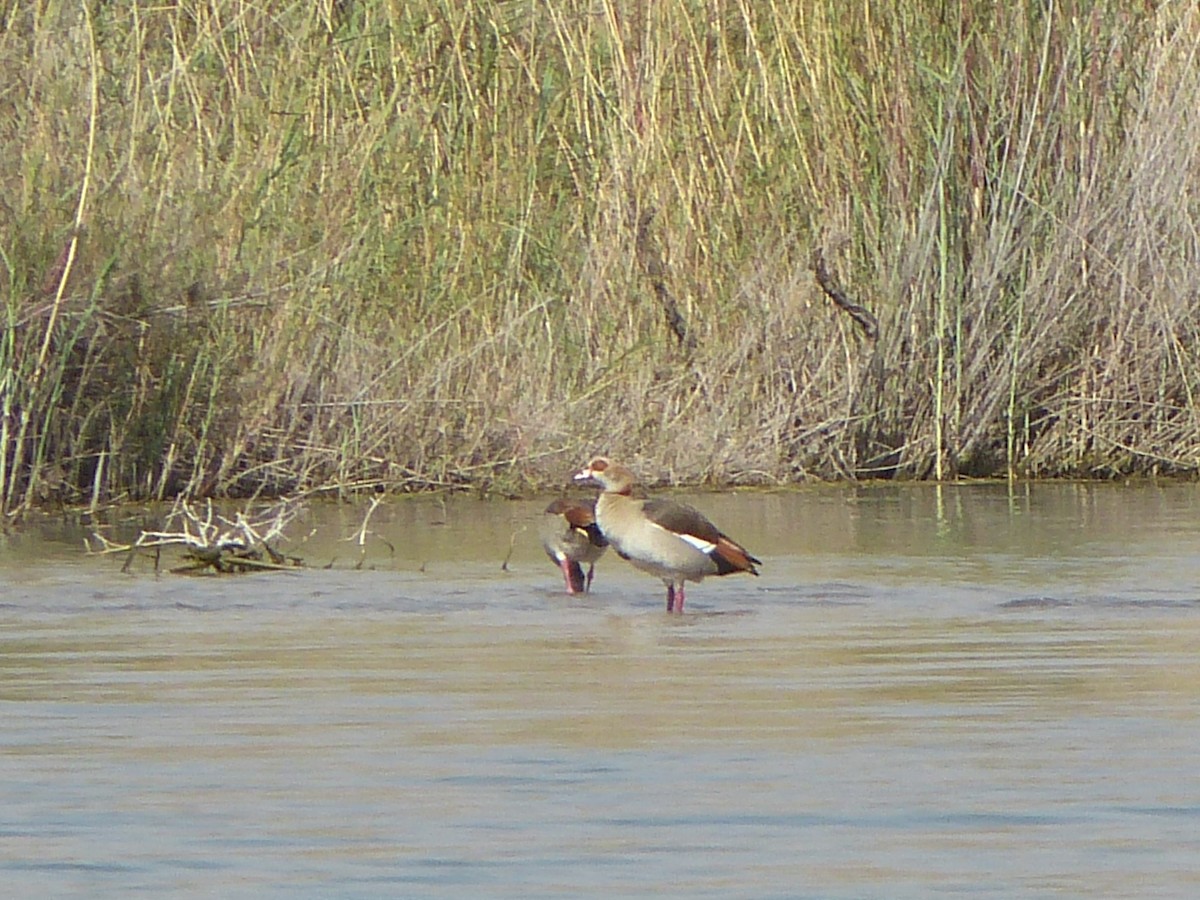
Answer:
(254, 248)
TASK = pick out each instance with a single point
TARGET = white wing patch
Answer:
(700, 544)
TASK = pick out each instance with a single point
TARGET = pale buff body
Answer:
(650, 547)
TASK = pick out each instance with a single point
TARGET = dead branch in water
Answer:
(360, 536)
(212, 541)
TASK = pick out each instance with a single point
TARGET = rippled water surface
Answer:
(956, 691)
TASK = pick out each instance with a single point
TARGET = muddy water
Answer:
(928, 692)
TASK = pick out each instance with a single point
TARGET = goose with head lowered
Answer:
(572, 539)
(672, 541)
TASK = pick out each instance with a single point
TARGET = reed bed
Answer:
(260, 248)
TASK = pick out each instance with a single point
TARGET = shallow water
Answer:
(928, 692)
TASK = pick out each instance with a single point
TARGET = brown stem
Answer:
(656, 270)
(833, 289)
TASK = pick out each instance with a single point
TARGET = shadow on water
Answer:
(954, 691)
(1101, 603)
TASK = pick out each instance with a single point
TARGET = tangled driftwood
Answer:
(213, 542)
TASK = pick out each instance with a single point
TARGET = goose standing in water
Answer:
(672, 541)
(572, 539)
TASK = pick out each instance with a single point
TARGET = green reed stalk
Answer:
(1019, 178)
(466, 244)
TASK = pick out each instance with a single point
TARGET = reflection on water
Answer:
(961, 691)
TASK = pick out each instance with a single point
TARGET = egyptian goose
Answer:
(669, 540)
(571, 538)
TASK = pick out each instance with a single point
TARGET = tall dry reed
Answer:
(270, 247)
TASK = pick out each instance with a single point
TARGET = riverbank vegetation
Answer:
(267, 248)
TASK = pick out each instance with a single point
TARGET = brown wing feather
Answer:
(580, 514)
(681, 519)
(728, 554)
(731, 557)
